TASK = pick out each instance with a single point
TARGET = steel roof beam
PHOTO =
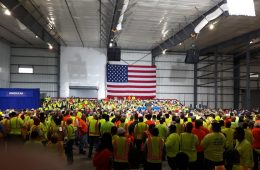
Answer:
(19, 12)
(183, 34)
(245, 38)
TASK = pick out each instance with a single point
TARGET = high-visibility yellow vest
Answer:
(121, 148)
(93, 127)
(70, 132)
(140, 128)
(154, 149)
(15, 125)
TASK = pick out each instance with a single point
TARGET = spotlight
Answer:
(7, 12)
(164, 51)
(36, 36)
(180, 44)
(211, 26)
(110, 45)
(251, 42)
(50, 46)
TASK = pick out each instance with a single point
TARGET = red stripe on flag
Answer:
(137, 76)
(118, 86)
(142, 71)
(139, 81)
(137, 97)
(141, 66)
(131, 91)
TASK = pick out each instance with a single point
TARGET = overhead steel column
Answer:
(195, 87)
(248, 102)
(153, 61)
(236, 80)
(216, 80)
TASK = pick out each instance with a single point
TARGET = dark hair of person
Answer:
(148, 117)
(245, 125)
(188, 127)
(141, 119)
(198, 123)
(113, 130)
(221, 123)
(106, 142)
(69, 121)
(172, 128)
(228, 124)
(151, 127)
(216, 127)
(239, 134)
(155, 132)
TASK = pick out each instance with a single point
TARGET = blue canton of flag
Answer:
(117, 73)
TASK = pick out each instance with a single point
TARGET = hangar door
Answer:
(84, 91)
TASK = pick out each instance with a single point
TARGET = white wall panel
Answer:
(4, 65)
(82, 67)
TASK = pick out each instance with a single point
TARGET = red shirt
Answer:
(200, 133)
(149, 122)
(256, 136)
(102, 159)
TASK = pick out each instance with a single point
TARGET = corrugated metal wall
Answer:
(224, 79)
(4, 65)
(45, 65)
(254, 82)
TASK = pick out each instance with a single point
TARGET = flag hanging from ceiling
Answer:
(131, 80)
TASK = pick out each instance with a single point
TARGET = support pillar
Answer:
(236, 80)
(248, 95)
(195, 94)
(216, 80)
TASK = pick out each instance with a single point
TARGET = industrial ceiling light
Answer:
(36, 36)
(251, 42)
(241, 7)
(7, 12)
(211, 26)
(180, 44)
(164, 51)
(110, 44)
(50, 46)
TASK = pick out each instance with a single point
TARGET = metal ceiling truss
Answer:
(245, 38)
(13, 33)
(23, 15)
(183, 34)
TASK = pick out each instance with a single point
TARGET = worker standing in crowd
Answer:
(139, 132)
(213, 144)
(163, 130)
(106, 126)
(200, 134)
(256, 143)
(154, 151)
(15, 126)
(69, 140)
(94, 133)
(172, 147)
(188, 144)
(229, 134)
(121, 147)
(244, 148)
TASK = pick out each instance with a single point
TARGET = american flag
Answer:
(131, 80)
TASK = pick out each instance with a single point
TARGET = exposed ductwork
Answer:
(120, 20)
(215, 14)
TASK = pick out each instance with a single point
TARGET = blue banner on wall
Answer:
(17, 98)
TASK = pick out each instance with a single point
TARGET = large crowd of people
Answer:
(130, 133)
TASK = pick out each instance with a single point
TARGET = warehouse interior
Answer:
(65, 43)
